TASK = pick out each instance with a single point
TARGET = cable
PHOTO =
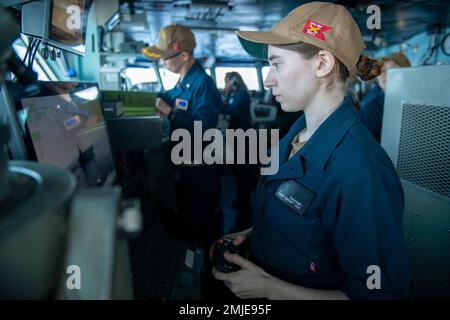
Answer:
(29, 47)
(30, 44)
(35, 51)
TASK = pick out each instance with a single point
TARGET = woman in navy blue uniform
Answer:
(328, 224)
(237, 102)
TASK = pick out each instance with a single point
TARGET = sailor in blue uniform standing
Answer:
(328, 224)
(372, 105)
(237, 102)
(194, 98)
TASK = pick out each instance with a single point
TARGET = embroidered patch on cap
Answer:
(315, 29)
(181, 104)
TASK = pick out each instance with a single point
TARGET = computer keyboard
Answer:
(156, 278)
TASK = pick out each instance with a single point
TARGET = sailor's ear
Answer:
(324, 63)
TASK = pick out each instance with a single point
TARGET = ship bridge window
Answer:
(138, 75)
(265, 72)
(248, 74)
(168, 78)
(141, 79)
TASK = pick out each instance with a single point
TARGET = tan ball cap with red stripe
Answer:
(322, 24)
(172, 39)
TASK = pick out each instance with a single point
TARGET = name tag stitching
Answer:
(292, 202)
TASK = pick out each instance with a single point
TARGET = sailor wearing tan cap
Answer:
(329, 224)
(372, 105)
(194, 98)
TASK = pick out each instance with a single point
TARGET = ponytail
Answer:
(368, 69)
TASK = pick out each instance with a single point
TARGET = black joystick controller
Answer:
(226, 245)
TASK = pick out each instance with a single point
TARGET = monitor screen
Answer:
(67, 29)
(66, 126)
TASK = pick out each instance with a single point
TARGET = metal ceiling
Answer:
(214, 22)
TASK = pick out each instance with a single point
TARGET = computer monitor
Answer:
(65, 124)
(68, 25)
(60, 23)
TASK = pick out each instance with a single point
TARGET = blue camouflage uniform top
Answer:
(371, 112)
(333, 210)
(195, 98)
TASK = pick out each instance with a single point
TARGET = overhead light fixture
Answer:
(203, 9)
(377, 41)
(404, 46)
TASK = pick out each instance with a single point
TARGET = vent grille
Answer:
(424, 151)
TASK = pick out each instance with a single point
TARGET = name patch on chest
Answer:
(295, 196)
